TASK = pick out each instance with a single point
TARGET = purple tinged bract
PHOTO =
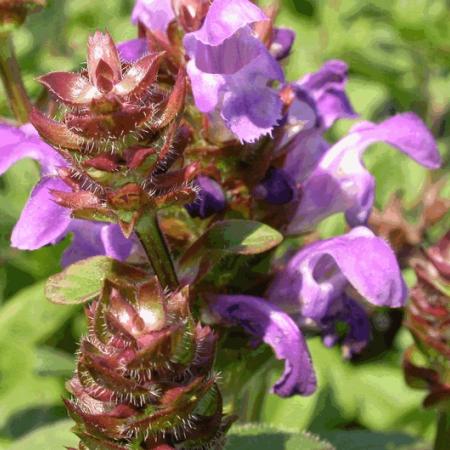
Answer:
(270, 324)
(153, 14)
(42, 220)
(341, 183)
(230, 70)
(321, 272)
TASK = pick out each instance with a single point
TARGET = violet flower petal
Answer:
(95, 238)
(230, 70)
(275, 188)
(17, 143)
(250, 108)
(321, 271)
(224, 19)
(282, 41)
(154, 14)
(327, 88)
(269, 323)
(210, 198)
(42, 221)
(341, 183)
(345, 310)
(132, 50)
(206, 87)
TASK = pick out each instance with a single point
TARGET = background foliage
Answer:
(399, 57)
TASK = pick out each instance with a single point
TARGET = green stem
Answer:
(442, 439)
(152, 239)
(12, 80)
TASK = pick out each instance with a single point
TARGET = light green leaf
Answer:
(83, 280)
(52, 437)
(368, 440)
(228, 237)
(29, 317)
(263, 437)
(53, 362)
(243, 237)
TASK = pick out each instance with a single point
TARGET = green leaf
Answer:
(53, 362)
(28, 317)
(55, 436)
(368, 440)
(83, 280)
(263, 437)
(241, 237)
(232, 237)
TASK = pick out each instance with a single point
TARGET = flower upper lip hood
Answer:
(341, 183)
(230, 70)
(321, 272)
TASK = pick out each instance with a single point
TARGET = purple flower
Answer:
(269, 323)
(43, 221)
(276, 187)
(210, 198)
(230, 70)
(341, 183)
(320, 100)
(132, 50)
(153, 14)
(282, 41)
(346, 321)
(321, 272)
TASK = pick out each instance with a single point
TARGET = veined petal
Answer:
(321, 271)
(250, 107)
(95, 238)
(42, 221)
(132, 50)
(269, 323)
(224, 19)
(154, 14)
(70, 87)
(17, 143)
(341, 183)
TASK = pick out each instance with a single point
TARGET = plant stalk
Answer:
(12, 80)
(442, 439)
(152, 239)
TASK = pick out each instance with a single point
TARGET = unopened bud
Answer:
(14, 12)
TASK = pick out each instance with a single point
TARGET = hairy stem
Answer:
(442, 439)
(152, 239)
(12, 80)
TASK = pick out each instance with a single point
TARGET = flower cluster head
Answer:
(193, 123)
(426, 363)
(144, 373)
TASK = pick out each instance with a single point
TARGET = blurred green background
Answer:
(399, 57)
